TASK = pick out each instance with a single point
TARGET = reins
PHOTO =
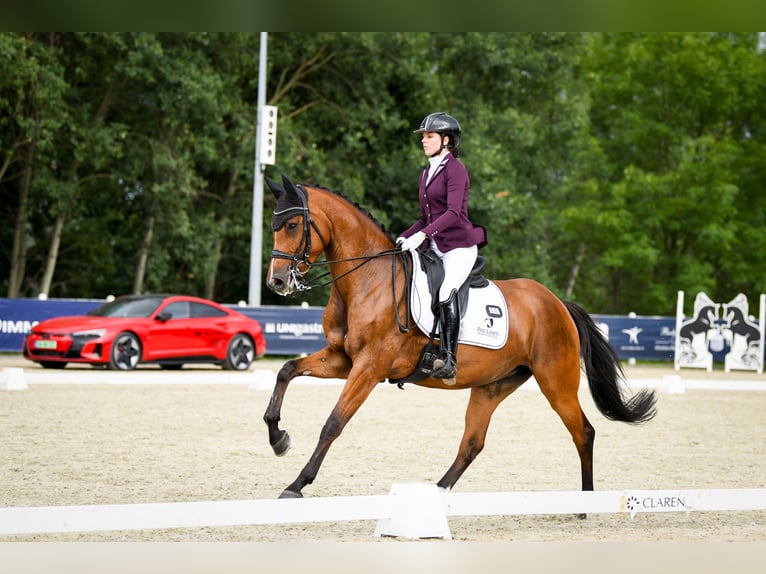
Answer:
(404, 326)
(305, 286)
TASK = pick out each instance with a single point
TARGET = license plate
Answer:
(42, 344)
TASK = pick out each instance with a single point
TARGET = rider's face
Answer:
(432, 143)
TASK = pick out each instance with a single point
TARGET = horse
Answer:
(368, 343)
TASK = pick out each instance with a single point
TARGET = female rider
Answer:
(444, 222)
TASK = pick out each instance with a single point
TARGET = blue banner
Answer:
(18, 316)
(288, 330)
(640, 337)
(298, 330)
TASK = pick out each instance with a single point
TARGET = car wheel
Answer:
(126, 352)
(52, 364)
(240, 354)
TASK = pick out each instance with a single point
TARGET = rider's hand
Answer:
(411, 243)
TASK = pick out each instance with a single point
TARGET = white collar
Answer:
(434, 163)
(437, 160)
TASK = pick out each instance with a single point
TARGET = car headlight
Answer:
(89, 333)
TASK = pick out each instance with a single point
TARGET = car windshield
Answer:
(142, 307)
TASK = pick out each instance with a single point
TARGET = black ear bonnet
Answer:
(291, 201)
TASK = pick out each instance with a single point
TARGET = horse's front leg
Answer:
(326, 363)
(356, 390)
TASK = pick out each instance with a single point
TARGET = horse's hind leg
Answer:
(560, 388)
(324, 364)
(481, 405)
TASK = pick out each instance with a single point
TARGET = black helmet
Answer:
(441, 123)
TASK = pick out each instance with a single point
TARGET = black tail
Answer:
(605, 374)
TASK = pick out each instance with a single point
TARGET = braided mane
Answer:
(358, 207)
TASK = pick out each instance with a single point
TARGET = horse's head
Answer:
(294, 253)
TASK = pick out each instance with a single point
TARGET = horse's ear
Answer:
(291, 201)
(289, 185)
(296, 195)
(275, 188)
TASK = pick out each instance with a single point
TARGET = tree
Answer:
(669, 112)
(31, 109)
(614, 168)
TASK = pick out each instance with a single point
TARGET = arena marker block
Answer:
(417, 511)
(12, 379)
(673, 385)
(262, 380)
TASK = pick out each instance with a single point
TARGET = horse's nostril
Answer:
(277, 285)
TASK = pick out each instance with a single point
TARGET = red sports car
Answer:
(169, 330)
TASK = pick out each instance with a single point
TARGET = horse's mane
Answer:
(358, 207)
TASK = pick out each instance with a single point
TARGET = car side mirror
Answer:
(165, 316)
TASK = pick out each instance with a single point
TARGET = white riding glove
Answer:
(411, 243)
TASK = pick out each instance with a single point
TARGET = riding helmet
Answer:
(441, 123)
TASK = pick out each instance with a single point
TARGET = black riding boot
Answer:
(445, 366)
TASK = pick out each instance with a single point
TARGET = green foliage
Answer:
(676, 116)
(615, 168)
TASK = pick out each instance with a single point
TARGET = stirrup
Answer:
(445, 369)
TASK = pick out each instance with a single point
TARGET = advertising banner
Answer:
(288, 330)
(18, 316)
(640, 337)
(298, 330)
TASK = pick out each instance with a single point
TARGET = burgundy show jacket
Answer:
(444, 208)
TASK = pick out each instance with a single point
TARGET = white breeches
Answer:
(457, 266)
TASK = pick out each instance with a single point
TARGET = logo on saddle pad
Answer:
(484, 322)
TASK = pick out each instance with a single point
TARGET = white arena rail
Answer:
(17, 378)
(410, 510)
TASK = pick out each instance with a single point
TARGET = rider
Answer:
(443, 195)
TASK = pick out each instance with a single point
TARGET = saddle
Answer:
(433, 267)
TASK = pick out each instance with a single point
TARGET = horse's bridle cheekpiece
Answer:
(292, 200)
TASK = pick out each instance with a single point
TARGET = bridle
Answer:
(300, 263)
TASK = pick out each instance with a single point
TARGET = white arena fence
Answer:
(16, 378)
(410, 510)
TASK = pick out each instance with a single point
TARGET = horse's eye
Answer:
(292, 226)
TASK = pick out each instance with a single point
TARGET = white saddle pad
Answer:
(485, 321)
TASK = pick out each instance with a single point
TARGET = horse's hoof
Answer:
(282, 445)
(290, 494)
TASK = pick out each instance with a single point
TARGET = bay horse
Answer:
(366, 344)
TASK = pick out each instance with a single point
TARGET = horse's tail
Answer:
(605, 374)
